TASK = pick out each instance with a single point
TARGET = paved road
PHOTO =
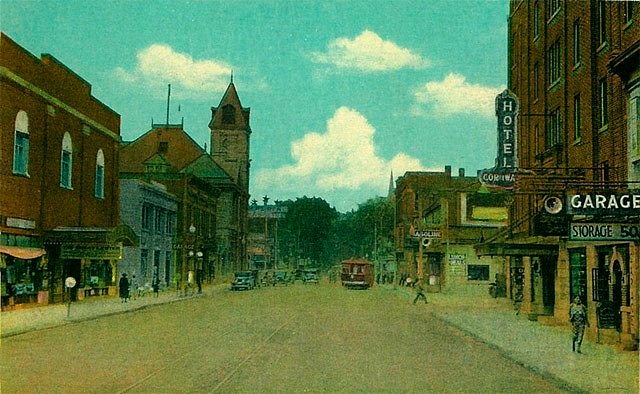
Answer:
(272, 340)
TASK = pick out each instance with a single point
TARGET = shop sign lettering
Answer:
(503, 174)
(97, 252)
(604, 232)
(427, 234)
(603, 204)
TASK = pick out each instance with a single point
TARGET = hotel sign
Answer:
(604, 232)
(503, 174)
(603, 204)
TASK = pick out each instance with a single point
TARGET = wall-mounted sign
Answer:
(604, 232)
(97, 252)
(603, 204)
(503, 174)
(427, 234)
(457, 258)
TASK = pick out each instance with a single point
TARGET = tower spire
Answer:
(231, 75)
(391, 186)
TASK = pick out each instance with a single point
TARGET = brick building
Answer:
(574, 67)
(439, 220)
(58, 172)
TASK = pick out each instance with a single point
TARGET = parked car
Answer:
(281, 278)
(244, 280)
(310, 276)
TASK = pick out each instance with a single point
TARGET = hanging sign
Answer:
(503, 175)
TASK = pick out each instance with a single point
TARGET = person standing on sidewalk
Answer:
(124, 288)
(578, 318)
(419, 292)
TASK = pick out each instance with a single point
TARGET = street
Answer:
(299, 338)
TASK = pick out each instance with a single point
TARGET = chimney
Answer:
(461, 172)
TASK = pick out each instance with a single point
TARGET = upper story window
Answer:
(21, 145)
(536, 19)
(99, 189)
(66, 161)
(555, 62)
(553, 6)
(577, 121)
(628, 12)
(576, 42)
(536, 81)
(147, 211)
(553, 135)
(634, 125)
(602, 22)
(604, 103)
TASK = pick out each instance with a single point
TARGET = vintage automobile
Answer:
(310, 276)
(281, 278)
(244, 280)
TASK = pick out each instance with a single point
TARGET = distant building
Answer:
(575, 69)
(152, 214)
(439, 220)
(58, 170)
(263, 243)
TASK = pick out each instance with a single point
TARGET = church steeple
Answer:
(230, 132)
(392, 188)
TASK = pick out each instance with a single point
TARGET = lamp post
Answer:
(190, 255)
(199, 256)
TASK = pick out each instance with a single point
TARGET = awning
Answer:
(21, 252)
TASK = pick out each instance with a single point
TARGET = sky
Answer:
(342, 93)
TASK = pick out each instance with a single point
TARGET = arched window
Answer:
(66, 160)
(99, 174)
(21, 145)
(228, 114)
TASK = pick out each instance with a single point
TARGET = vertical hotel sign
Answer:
(503, 175)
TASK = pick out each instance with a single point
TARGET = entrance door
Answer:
(72, 268)
(548, 284)
(616, 292)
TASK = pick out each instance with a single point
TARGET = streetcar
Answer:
(357, 274)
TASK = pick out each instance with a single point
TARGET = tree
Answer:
(307, 229)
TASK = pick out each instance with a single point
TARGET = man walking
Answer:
(419, 292)
(578, 318)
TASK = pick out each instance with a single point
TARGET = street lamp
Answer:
(199, 256)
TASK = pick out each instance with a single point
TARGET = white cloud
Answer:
(369, 53)
(342, 158)
(454, 95)
(159, 64)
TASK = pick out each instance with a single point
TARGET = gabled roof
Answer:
(204, 167)
(181, 149)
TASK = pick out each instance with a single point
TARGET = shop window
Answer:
(99, 187)
(21, 145)
(66, 161)
(477, 272)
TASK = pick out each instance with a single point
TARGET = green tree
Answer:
(307, 230)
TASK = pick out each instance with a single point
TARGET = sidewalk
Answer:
(38, 318)
(543, 349)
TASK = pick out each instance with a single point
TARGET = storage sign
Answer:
(604, 232)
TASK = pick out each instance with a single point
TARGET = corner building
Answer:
(575, 68)
(58, 176)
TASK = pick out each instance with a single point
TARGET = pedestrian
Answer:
(124, 288)
(578, 318)
(156, 287)
(419, 292)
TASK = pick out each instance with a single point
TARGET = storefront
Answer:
(23, 276)
(90, 256)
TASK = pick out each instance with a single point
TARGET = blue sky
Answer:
(341, 92)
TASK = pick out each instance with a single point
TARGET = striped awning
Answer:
(21, 252)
